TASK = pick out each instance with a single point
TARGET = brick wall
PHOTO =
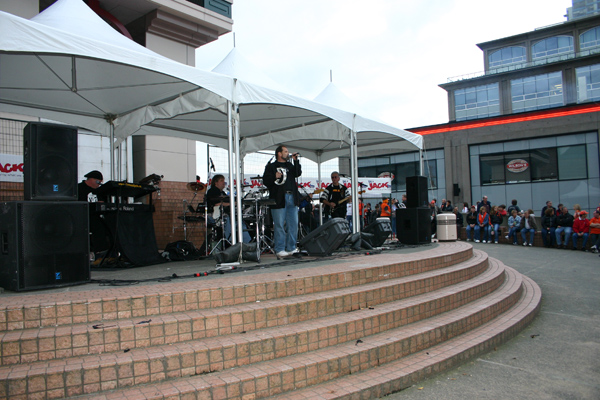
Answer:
(169, 205)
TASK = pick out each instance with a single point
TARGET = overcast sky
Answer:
(388, 56)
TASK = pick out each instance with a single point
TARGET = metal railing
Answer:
(534, 63)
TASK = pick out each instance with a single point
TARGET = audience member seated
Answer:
(471, 220)
(483, 224)
(513, 226)
(459, 221)
(581, 229)
(484, 203)
(513, 206)
(495, 220)
(595, 231)
(547, 206)
(528, 225)
(564, 224)
(549, 223)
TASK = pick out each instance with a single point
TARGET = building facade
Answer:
(525, 128)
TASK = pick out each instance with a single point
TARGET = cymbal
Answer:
(195, 186)
(256, 177)
(191, 218)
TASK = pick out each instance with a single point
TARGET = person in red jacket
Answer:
(581, 229)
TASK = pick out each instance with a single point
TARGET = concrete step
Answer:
(395, 376)
(25, 311)
(386, 333)
(30, 345)
(282, 375)
(98, 372)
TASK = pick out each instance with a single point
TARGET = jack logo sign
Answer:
(11, 168)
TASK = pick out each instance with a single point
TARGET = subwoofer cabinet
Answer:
(43, 244)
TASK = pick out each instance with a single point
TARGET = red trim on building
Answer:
(510, 119)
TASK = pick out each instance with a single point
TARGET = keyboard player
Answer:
(99, 234)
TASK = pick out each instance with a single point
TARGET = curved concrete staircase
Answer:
(361, 327)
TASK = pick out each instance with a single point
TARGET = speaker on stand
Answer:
(416, 191)
(50, 162)
(43, 244)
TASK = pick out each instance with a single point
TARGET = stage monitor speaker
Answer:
(416, 191)
(327, 238)
(413, 225)
(381, 229)
(50, 162)
(43, 244)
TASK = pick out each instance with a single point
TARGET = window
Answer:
(589, 39)
(507, 55)
(572, 162)
(477, 102)
(588, 83)
(552, 46)
(537, 92)
(549, 164)
(543, 165)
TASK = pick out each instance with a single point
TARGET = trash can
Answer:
(446, 227)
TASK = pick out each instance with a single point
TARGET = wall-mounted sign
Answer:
(386, 175)
(518, 165)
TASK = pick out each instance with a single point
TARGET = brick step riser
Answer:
(281, 376)
(216, 356)
(66, 342)
(417, 367)
(18, 316)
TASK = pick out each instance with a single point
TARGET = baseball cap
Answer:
(94, 175)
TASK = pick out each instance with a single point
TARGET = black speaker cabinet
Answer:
(381, 228)
(43, 244)
(416, 191)
(413, 225)
(50, 162)
(327, 238)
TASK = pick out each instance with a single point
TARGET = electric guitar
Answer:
(340, 209)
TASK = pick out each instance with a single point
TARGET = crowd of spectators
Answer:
(558, 228)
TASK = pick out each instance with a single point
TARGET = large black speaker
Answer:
(413, 225)
(50, 162)
(416, 191)
(43, 244)
(381, 228)
(327, 238)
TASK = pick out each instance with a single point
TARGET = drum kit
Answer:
(255, 215)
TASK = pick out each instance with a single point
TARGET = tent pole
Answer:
(355, 185)
(354, 173)
(112, 151)
(421, 161)
(239, 177)
(231, 169)
(319, 185)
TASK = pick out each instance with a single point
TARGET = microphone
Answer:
(212, 165)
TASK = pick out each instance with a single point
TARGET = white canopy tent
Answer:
(104, 82)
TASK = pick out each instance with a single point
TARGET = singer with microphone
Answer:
(280, 178)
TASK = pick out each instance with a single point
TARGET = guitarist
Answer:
(334, 196)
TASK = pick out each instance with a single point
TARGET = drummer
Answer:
(219, 207)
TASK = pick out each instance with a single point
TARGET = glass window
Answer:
(507, 55)
(552, 46)
(544, 165)
(477, 102)
(549, 164)
(588, 83)
(590, 39)
(537, 92)
(517, 167)
(492, 169)
(572, 162)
